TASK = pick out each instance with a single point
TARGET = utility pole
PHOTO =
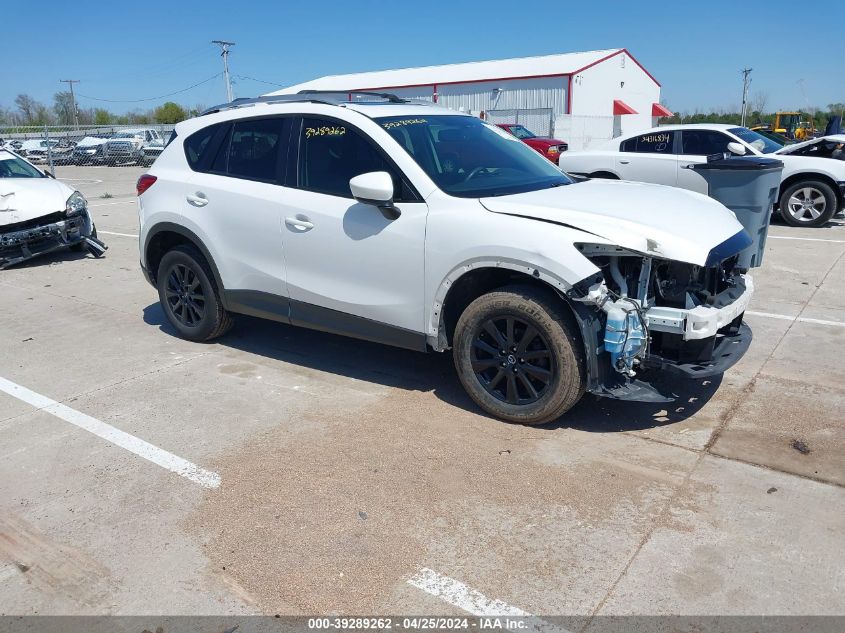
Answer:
(224, 53)
(70, 82)
(745, 81)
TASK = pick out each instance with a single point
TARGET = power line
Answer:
(261, 81)
(169, 94)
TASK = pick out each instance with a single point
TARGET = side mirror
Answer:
(737, 149)
(375, 188)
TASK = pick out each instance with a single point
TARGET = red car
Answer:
(548, 147)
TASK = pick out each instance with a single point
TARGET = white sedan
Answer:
(812, 186)
(40, 215)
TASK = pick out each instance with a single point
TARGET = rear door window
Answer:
(251, 149)
(704, 142)
(650, 143)
(255, 146)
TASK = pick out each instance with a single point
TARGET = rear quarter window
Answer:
(198, 144)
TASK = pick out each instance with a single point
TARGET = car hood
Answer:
(660, 221)
(23, 199)
(833, 138)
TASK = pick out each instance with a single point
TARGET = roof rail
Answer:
(306, 96)
(246, 101)
(392, 98)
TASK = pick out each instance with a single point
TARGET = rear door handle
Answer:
(299, 223)
(624, 162)
(198, 200)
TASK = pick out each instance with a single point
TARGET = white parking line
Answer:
(135, 445)
(805, 239)
(119, 234)
(800, 319)
(108, 204)
(459, 595)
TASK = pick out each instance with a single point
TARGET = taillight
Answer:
(145, 182)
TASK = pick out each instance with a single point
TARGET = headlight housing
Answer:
(76, 204)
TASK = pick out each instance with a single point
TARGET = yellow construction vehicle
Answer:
(791, 126)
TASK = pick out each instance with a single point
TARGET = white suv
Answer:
(425, 228)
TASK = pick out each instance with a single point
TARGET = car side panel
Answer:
(585, 163)
(462, 235)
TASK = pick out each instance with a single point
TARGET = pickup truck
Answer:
(140, 146)
(549, 147)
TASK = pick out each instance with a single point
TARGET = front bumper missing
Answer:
(22, 244)
(692, 343)
(703, 321)
(728, 349)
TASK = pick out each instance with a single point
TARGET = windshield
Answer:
(520, 132)
(13, 167)
(469, 158)
(757, 141)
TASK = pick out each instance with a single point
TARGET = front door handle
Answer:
(299, 223)
(624, 162)
(198, 200)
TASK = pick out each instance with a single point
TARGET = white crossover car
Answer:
(812, 186)
(429, 229)
(40, 215)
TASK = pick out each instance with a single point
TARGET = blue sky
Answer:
(131, 50)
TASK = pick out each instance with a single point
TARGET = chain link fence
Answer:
(108, 145)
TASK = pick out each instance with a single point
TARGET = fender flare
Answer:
(170, 227)
(436, 310)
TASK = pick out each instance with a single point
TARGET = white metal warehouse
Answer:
(582, 98)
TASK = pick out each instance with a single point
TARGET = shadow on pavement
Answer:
(413, 371)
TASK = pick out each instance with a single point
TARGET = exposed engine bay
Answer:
(657, 313)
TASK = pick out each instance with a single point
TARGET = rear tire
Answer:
(189, 296)
(539, 376)
(808, 203)
(604, 175)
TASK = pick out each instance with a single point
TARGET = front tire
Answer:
(189, 296)
(808, 203)
(518, 356)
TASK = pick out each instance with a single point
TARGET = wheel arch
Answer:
(470, 280)
(604, 173)
(164, 236)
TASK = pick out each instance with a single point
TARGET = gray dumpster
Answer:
(748, 186)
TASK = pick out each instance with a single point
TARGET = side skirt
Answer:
(283, 310)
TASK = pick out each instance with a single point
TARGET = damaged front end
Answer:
(648, 313)
(71, 228)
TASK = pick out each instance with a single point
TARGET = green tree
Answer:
(102, 117)
(170, 113)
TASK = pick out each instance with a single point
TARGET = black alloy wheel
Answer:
(189, 295)
(512, 360)
(185, 296)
